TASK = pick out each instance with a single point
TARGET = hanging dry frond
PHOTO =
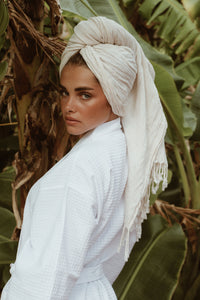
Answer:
(24, 173)
(188, 218)
(55, 15)
(7, 84)
(23, 24)
(43, 139)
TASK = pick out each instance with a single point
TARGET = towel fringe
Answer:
(158, 174)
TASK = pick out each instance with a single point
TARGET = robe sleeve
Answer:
(80, 222)
(52, 257)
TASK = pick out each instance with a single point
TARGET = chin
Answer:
(74, 131)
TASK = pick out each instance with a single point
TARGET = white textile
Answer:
(73, 222)
(127, 79)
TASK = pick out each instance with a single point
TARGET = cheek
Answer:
(103, 109)
(100, 108)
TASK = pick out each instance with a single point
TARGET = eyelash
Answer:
(88, 96)
(64, 93)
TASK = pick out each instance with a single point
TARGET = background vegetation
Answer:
(165, 263)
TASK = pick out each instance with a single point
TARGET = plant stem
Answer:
(195, 197)
(193, 184)
(183, 175)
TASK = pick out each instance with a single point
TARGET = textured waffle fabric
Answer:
(73, 221)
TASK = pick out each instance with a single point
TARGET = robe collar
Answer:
(105, 128)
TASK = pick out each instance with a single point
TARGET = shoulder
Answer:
(101, 144)
(91, 157)
(98, 152)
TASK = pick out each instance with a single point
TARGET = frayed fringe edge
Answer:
(159, 174)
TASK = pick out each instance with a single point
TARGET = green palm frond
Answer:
(173, 24)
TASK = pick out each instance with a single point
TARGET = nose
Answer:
(68, 104)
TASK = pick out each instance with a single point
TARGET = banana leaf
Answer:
(192, 7)
(78, 8)
(6, 178)
(190, 71)
(154, 266)
(8, 247)
(4, 18)
(195, 107)
(7, 223)
(173, 23)
(170, 99)
(190, 121)
(188, 287)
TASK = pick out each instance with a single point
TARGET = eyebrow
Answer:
(83, 88)
(76, 89)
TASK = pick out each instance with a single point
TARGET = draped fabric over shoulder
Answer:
(127, 79)
(97, 194)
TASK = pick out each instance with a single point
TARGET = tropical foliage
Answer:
(165, 263)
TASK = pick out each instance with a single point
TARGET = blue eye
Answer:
(86, 96)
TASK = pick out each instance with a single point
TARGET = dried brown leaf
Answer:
(186, 217)
(21, 22)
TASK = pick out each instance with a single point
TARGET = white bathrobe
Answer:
(73, 223)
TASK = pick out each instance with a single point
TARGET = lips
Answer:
(71, 121)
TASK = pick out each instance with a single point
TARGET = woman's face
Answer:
(83, 103)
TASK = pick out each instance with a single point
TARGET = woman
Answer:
(97, 195)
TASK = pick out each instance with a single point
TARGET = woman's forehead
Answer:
(78, 75)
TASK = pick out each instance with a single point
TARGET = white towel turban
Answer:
(127, 79)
